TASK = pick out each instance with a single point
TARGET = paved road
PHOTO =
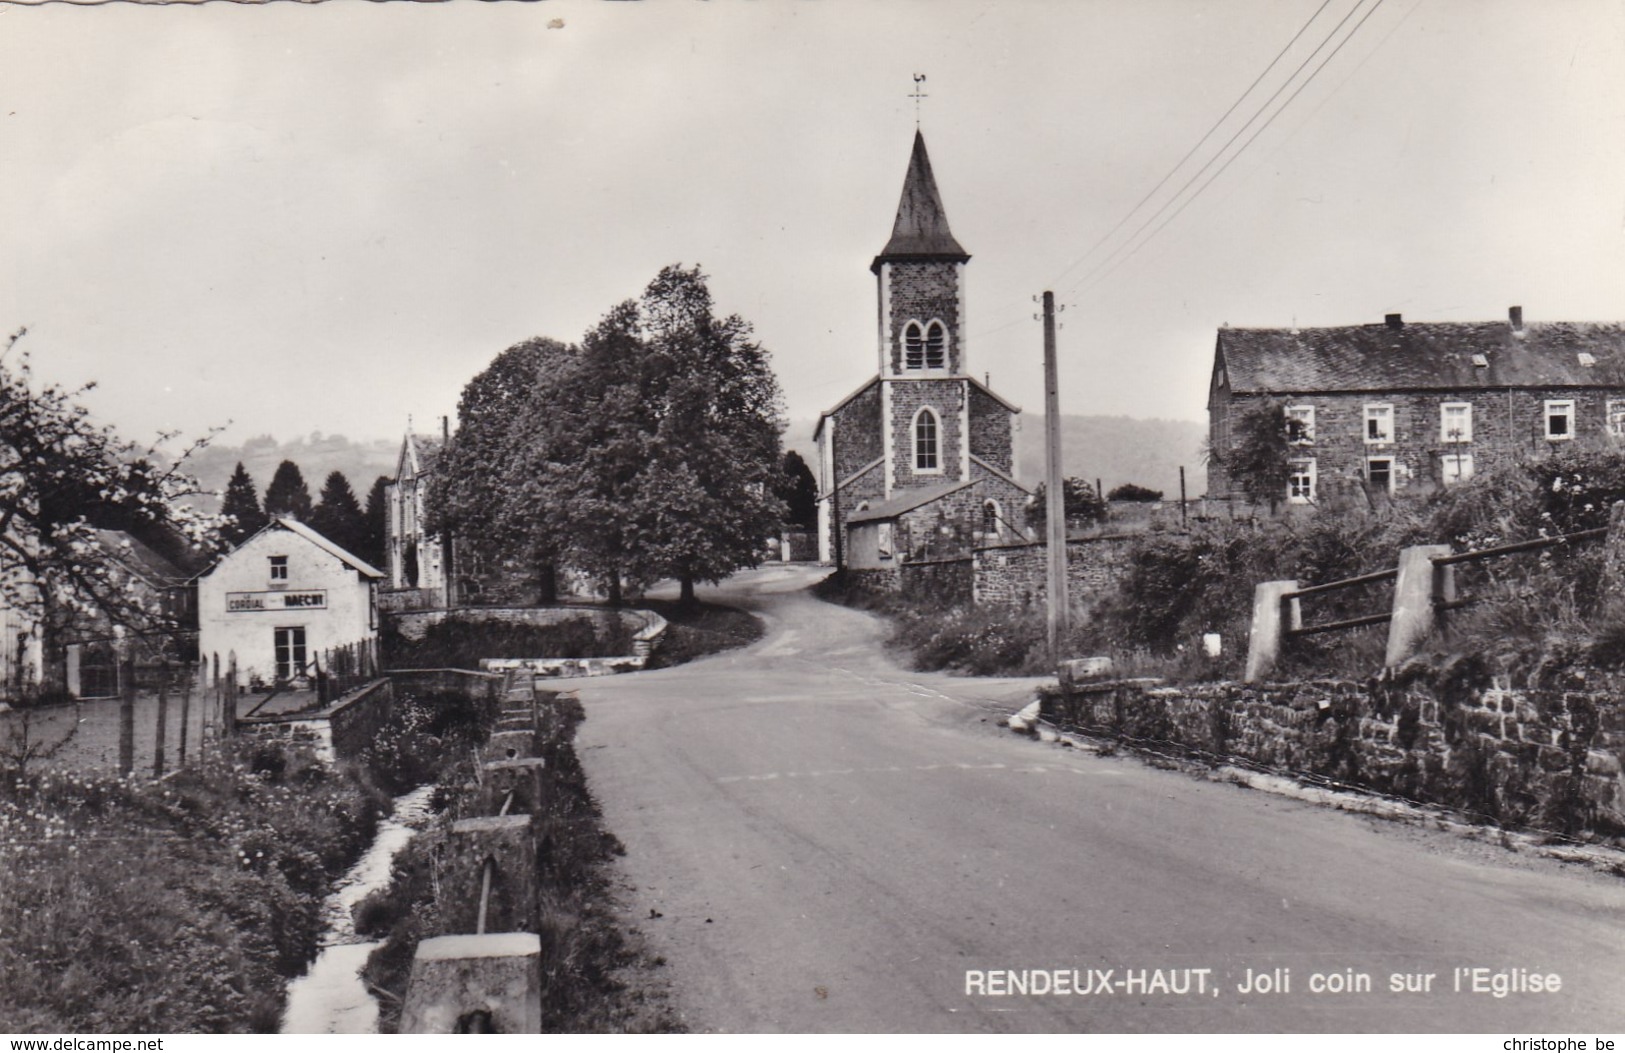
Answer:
(832, 843)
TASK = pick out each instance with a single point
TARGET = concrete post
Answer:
(509, 841)
(1613, 558)
(1418, 584)
(475, 984)
(1272, 616)
(521, 777)
(510, 745)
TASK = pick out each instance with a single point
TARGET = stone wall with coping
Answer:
(1547, 758)
(1018, 575)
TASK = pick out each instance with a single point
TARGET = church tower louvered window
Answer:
(925, 348)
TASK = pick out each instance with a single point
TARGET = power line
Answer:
(1086, 283)
(1191, 152)
(1107, 264)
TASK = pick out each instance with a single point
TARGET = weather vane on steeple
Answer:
(919, 93)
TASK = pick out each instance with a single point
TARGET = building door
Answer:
(290, 652)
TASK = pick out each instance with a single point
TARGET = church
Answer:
(917, 462)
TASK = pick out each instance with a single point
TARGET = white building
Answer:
(283, 597)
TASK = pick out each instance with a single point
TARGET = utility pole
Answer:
(1055, 500)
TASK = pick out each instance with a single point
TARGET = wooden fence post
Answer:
(228, 722)
(1272, 617)
(126, 714)
(162, 731)
(186, 714)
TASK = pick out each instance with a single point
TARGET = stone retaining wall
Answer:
(1548, 758)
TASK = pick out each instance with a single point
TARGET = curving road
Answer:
(820, 841)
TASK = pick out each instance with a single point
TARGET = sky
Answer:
(329, 217)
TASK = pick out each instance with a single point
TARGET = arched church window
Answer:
(926, 457)
(990, 519)
(936, 347)
(913, 346)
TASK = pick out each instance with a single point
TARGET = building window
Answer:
(1379, 422)
(1559, 419)
(1300, 425)
(913, 346)
(1300, 482)
(1456, 467)
(279, 568)
(991, 520)
(1379, 473)
(926, 457)
(1616, 418)
(1455, 422)
(290, 652)
(936, 347)
(883, 541)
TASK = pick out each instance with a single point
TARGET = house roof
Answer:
(140, 559)
(921, 228)
(908, 500)
(1422, 356)
(288, 523)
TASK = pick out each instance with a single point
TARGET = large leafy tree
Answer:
(1260, 460)
(288, 495)
(62, 478)
(240, 513)
(489, 486)
(337, 516)
(674, 442)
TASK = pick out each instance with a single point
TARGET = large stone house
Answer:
(1396, 406)
(919, 458)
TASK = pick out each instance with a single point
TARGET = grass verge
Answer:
(699, 630)
(180, 905)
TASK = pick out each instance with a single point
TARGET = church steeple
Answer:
(920, 231)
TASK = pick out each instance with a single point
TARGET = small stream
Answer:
(330, 998)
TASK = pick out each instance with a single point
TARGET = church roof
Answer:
(909, 500)
(921, 228)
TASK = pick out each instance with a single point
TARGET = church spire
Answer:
(921, 229)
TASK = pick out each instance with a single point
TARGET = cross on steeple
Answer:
(918, 94)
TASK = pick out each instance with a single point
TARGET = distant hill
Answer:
(1118, 450)
(317, 455)
(1115, 450)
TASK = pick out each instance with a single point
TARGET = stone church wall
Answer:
(922, 291)
(945, 397)
(990, 437)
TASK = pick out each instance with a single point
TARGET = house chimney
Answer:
(1515, 317)
(1394, 321)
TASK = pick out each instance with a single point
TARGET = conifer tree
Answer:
(338, 515)
(288, 495)
(240, 508)
(376, 516)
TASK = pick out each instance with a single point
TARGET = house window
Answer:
(1379, 473)
(1455, 422)
(1559, 419)
(1456, 467)
(1300, 482)
(1300, 425)
(290, 652)
(926, 457)
(936, 347)
(990, 520)
(1379, 422)
(279, 568)
(913, 346)
(1616, 418)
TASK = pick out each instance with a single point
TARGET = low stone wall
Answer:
(1018, 575)
(414, 624)
(1548, 759)
(943, 582)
